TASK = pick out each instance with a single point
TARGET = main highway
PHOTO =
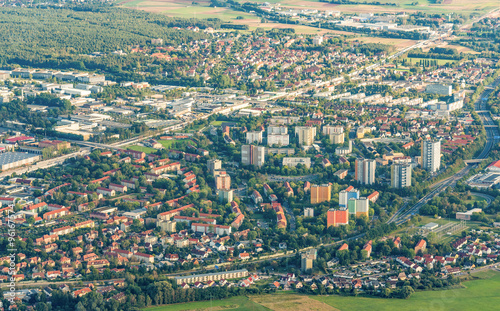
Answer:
(492, 136)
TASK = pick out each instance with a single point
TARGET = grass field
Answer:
(480, 294)
(475, 295)
(474, 199)
(142, 148)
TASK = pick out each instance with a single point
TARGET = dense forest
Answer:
(57, 38)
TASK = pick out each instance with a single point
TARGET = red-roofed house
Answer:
(421, 245)
(494, 167)
(373, 197)
(56, 214)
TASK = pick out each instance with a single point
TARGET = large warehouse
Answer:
(11, 160)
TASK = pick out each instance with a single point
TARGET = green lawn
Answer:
(476, 295)
(141, 148)
(474, 199)
(240, 303)
(217, 123)
(168, 143)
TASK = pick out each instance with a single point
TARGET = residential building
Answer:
(337, 217)
(421, 246)
(341, 174)
(337, 138)
(342, 151)
(233, 274)
(308, 212)
(365, 171)
(317, 40)
(320, 193)
(293, 162)
(335, 133)
(257, 197)
(277, 130)
(346, 195)
(214, 165)
(439, 89)
(222, 181)
(253, 155)
(254, 137)
(431, 155)
(306, 262)
(226, 195)
(331, 129)
(359, 207)
(278, 139)
(305, 134)
(167, 225)
(401, 175)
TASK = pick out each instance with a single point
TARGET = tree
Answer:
(406, 292)
(80, 307)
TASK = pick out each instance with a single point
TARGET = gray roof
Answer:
(10, 157)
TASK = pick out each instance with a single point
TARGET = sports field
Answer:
(168, 143)
(142, 148)
(481, 294)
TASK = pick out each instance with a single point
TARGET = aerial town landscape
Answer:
(232, 155)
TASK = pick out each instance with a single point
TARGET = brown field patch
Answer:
(459, 48)
(397, 43)
(291, 302)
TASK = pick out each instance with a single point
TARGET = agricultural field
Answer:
(184, 8)
(478, 294)
(202, 9)
(286, 302)
(448, 6)
(240, 303)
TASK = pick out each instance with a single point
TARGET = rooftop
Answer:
(10, 157)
